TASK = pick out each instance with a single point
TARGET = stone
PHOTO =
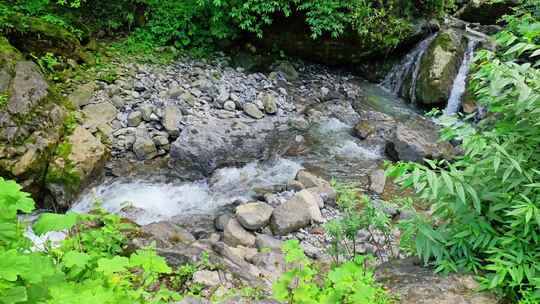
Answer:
(192, 300)
(144, 148)
(161, 140)
(254, 216)
(87, 157)
(221, 221)
(439, 67)
(377, 181)
(223, 94)
(206, 278)
(118, 101)
(416, 142)
(298, 212)
(327, 194)
(214, 143)
(269, 104)
(168, 233)
(146, 111)
(485, 12)
(27, 88)
(288, 70)
(264, 241)
(418, 285)
(82, 95)
(97, 114)
(234, 234)
(310, 180)
(134, 119)
(253, 111)
(171, 120)
(229, 105)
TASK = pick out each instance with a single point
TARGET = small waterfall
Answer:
(410, 65)
(460, 83)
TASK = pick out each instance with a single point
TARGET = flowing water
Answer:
(149, 200)
(460, 83)
(408, 67)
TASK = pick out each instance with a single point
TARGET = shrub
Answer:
(486, 202)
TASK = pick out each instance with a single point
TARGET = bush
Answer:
(486, 203)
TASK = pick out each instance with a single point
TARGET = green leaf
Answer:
(75, 258)
(112, 265)
(55, 222)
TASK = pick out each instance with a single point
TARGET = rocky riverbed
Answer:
(208, 157)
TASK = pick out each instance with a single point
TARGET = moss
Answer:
(8, 54)
(67, 177)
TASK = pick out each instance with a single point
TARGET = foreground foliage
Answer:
(486, 202)
(349, 283)
(89, 266)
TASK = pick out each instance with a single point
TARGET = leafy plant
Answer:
(357, 213)
(486, 203)
(351, 282)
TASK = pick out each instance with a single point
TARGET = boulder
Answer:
(416, 142)
(439, 67)
(167, 234)
(254, 216)
(38, 36)
(31, 121)
(298, 212)
(486, 12)
(207, 145)
(310, 180)
(270, 104)
(80, 161)
(134, 119)
(234, 234)
(418, 285)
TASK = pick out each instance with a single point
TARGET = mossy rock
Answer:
(37, 36)
(439, 67)
(486, 12)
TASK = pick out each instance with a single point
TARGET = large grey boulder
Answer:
(254, 216)
(298, 212)
(486, 12)
(214, 143)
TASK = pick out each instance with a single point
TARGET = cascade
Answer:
(409, 65)
(460, 82)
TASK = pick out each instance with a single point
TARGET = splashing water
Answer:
(460, 83)
(146, 201)
(410, 65)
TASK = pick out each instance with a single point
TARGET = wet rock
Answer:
(253, 111)
(144, 148)
(377, 181)
(310, 180)
(417, 285)
(171, 120)
(234, 234)
(206, 278)
(263, 241)
(213, 143)
(254, 216)
(269, 104)
(134, 119)
(296, 213)
(439, 67)
(417, 142)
